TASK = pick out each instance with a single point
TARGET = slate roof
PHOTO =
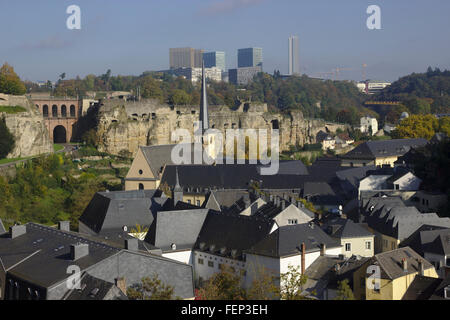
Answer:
(45, 246)
(320, 193)
(223, 199)
(114, 210)
(92, 288)
(294, 167)
(229, 235)
(397, 220)
(384, 148)
(354, 175)
(390, 262)
(429, 238)
(176, 227)
(286, 241)
(422, 288)
(345, 228)
(2, 228)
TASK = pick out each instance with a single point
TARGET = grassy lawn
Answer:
(4, 161)
(57, 147)
(12, 109)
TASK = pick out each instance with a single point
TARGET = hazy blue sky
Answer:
(133, 36)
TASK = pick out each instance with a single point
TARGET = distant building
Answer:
(242, 76)
(369, 125)
(215, 59)
(294, 65)
(378, 153)
(195, 74)
(185, 58)
(250, 57)
(371, 86)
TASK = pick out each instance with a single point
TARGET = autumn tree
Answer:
(417, 126)
(10, 82)
(224, 285)
(151, 289)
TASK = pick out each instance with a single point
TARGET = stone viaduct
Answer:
(61, 116)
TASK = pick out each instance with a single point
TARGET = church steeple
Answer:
(177, 193)
(204, 102)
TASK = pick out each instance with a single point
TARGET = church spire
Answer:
(204, 102)
(177, 193)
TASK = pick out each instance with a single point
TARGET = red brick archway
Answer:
(60, 112)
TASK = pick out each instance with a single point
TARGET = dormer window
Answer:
(173, 246)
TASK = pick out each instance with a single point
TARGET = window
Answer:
(211, 264)
(200, 261)
(385, 243)
(368, 245)
(292, 221)
(141, 186)
(141, 172)
(392, 245)
(348, 247)
(198, 203)
(397, 187)
(189, 201)
(448, 262)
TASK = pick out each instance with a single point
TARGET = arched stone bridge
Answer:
(61, 116)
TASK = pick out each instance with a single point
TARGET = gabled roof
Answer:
(424, 237)
(425, 288)
(384, 148)
(176, 227)
(92, 288)
(41, 255)
(223, 199)
(229, 235)
(286, 241)
(114, 210)
(293, 167)
(345, 228)
(391, 262)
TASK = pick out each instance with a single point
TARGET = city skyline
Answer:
(333, 36)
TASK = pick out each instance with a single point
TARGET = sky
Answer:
(133, 36)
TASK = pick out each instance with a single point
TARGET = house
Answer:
(147, 167)
(321, 195)
(392, 221)
(343, 139)
(368, 125)
(394, 272)
(428, 288)
(427, 201)
(355, 239)
(38, 263)
(295, 245)
(432, 243)
(92, 288)
(404, 181)
(378, 153)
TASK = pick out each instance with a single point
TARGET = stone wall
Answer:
(125, 125)
(29, 130)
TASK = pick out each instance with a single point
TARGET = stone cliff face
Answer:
(127, 125)
(29, 130)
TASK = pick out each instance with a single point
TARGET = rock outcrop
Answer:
(125, 125)
(28, 128)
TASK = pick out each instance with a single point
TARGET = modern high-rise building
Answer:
(215, 59)
(185, 58)
(242, 76)
(250, 57)
(294, 65)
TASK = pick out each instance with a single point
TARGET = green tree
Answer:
(344, 291)
(417, 126)
(292, 284)
(10, 82)
(224, 285)
(151, 289)
(179, 97)
(6, 140)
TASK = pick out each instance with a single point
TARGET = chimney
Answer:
(78, 251)
(64, 225)
(323, 249)
(17, 231)
(303, 249)
(131, 244)
(299, 204)
(404, 265)
(121, 283)
(283, 204)
(421, 267)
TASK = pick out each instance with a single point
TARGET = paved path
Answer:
(67, 148)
